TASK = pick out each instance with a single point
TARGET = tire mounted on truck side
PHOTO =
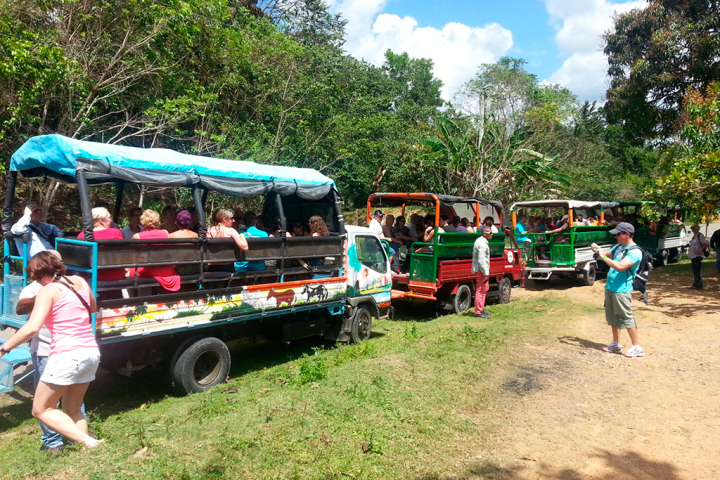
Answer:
(198, 364)
(361, 326)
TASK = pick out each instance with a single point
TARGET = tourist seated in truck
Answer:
(453, 224)
(298, 230)
(250, 221)
(564, 225)
(183, 220)
(490, 222)
(463, 227)
(430, 227)
(133, 225)
(103, 231)
(169, 214)
(390, 232)
(165, 275)
(42, 235)
(521, 229)
(402, 232)
(238, 221)
(580, 221)
(222, 228)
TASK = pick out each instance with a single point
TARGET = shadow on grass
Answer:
(110, 394)
(628, 465)
(581, 342)
(557, 283)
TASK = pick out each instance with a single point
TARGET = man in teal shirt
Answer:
(520, 229)
(623, 260)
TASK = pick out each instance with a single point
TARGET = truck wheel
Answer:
(662, 258)
(504, 291)
(462, 299)
(589, 276)
(201, 363)
(361, 326)
(675, 255)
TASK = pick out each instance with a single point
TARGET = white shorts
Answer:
(69, 368)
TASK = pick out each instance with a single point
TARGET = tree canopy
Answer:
(655, 54)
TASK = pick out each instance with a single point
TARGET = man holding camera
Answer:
(623, 261)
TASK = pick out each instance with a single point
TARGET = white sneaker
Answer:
(613, 347)
(635, 351)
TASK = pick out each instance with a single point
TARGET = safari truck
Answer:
(331, 286)
(665, 240)
(567, 253)
(440, 272)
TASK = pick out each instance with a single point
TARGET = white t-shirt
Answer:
(40, 343)
(376, 227)
(696, 244)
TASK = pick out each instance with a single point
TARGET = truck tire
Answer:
(504, 291)
(198, 364)
(462, 299)
(361, 326)
(675, 255)
(589, 276)
(661, 259)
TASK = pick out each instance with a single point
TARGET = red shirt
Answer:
(107, 234)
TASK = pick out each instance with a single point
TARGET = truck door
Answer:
(368, 266)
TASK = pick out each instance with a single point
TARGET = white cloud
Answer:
(580, 25)
(457, 50)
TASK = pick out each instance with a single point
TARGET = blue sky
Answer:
(560, 39)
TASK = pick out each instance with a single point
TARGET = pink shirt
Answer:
(165, 275)
(69, 321)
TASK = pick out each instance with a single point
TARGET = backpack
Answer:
(642, 275)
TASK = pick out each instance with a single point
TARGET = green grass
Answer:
(413, 402)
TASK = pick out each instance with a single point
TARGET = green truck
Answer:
(565, 253)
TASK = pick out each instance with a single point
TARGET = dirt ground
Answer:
(581, 413)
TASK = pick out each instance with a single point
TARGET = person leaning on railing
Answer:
(223, 229)
(64, 305)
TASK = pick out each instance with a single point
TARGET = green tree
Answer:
(694, 179)
(655, 54)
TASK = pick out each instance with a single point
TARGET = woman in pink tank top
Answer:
(64, 305)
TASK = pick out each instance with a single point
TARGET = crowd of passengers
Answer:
(558, 224)
(150, 225)
(401, 235)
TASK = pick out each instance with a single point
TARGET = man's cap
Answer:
(564, 217)
(378, 213)
(622, 228)
(456, 219)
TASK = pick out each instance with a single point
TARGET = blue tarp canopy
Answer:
(60, 157)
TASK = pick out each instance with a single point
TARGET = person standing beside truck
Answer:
(481, 269)
(715, 245)
(65, 305)
(39, 351)
(623, 260)
(698, 244)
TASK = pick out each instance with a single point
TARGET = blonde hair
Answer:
(99, 214)
(222, 214)
(150, 219)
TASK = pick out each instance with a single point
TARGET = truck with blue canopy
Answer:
(330, 286)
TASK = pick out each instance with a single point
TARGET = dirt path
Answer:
(585, 414)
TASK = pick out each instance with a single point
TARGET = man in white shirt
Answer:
(481, 269)
(376, 222)
(42, 235)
